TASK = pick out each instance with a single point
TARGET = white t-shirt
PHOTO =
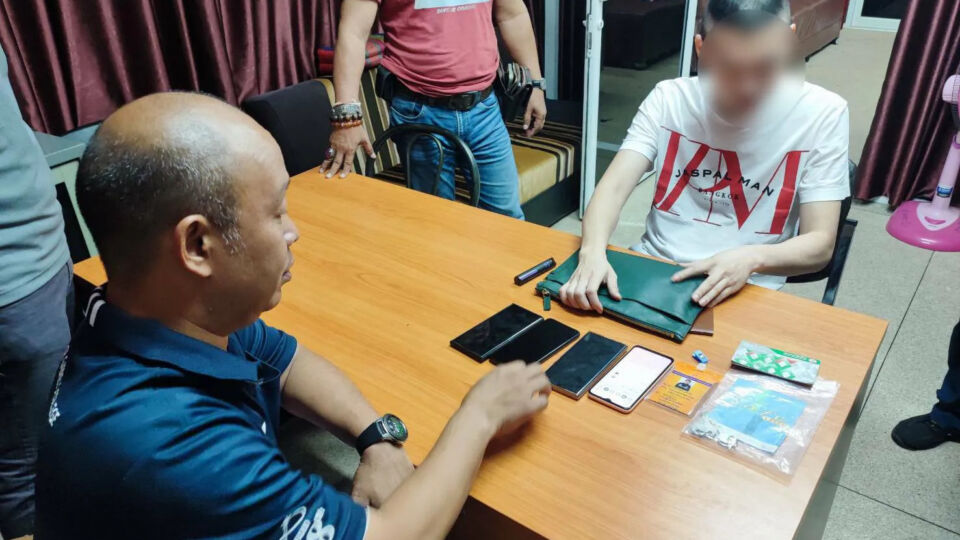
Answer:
(721, 185)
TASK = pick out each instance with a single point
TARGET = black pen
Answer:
(531, 273)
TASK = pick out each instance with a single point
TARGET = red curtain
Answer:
(912, 128)
(72, 62)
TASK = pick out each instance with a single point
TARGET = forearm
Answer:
(599, 221)
(428, 503)
(320, 393)
(611, 193)
(517, 33)
(807, 252)
(801, 254)
(348, 63)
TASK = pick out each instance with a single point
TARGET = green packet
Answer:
(782, 364)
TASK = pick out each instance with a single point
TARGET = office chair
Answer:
(298, 117)
(408, 134)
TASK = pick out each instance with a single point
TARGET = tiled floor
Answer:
(622, 89)
(885, 492)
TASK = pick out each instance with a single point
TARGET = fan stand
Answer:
(933, 225)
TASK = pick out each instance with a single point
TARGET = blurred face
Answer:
(743, 66)
(249, 278)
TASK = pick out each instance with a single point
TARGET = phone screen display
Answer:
(573, 373)
(485, 338)
(536, 344)
(626, 384)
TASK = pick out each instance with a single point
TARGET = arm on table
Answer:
(427, 504)
(728, 271)
(599, 222)
(315, 390)
(513, 19)
(356, 19)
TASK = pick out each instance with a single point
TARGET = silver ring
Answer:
(331, 153)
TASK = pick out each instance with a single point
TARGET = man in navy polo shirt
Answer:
(163, 419)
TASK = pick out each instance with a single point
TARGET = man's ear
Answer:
(194, 239)
(697, 44)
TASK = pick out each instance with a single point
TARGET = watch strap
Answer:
(370, 436)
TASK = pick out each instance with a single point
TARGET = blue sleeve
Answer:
(229, 480)
(270, 345)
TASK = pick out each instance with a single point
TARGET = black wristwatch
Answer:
(539, 83)
(386, 428)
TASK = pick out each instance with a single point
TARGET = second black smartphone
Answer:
(485, 338)
(537, 344)
(576, 371)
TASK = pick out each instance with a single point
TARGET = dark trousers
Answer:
(947, 410)
(34, 335)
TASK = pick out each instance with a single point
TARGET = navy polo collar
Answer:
(149, 339)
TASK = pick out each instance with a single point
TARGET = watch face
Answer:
(395, 427)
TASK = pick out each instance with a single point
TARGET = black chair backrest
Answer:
(852, 178)
(298, 117)
(76, 243)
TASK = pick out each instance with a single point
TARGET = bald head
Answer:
(161, 158)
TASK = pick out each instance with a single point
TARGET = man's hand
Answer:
(580, 291)
(508, 396)
(727, 272)
(344, 142)
(383, 467)
(536, 113)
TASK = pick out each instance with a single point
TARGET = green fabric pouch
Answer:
(650, 300)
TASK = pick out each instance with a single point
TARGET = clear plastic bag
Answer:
(762, 420)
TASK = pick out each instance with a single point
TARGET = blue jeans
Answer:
(947, 410)
(483, 130)
(34, 335)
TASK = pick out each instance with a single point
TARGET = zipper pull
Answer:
(546, 301)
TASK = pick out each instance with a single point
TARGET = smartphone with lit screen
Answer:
(628, 382)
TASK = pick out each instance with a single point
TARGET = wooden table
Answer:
(385, 277)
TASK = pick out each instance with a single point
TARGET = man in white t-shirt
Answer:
(750, 165)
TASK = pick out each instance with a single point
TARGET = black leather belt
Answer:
(458, 102)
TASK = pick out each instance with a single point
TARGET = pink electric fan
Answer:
(935, 225)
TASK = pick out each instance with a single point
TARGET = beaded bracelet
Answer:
(350, 124)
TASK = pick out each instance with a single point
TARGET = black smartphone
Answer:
(583, 364)
(484, 339)
(536, 344)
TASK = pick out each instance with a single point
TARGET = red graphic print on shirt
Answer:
(716, 175)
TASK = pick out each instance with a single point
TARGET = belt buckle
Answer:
(465, 102)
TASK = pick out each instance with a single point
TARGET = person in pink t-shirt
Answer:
(441, 59)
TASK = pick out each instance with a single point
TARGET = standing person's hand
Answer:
(536, 113)
(344, 143)
(580, 291)
(383, 467)
(508, 396)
